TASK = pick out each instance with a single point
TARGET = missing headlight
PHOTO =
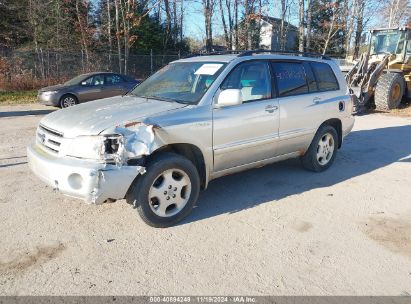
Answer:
(112, 144)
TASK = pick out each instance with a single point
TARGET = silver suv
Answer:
(195, 120)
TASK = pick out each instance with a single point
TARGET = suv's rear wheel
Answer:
(167, 192)
(322, 151)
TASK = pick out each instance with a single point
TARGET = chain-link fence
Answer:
(31, 69)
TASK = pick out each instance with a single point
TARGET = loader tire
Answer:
(389, 91)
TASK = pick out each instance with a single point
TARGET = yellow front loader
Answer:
(382, 76)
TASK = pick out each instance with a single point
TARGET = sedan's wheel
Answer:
(167, 192)
(322, 151)
(67, 101)
(325, 149)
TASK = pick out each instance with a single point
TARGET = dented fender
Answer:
(137, 140)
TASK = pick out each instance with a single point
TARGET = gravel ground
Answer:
(277, 230)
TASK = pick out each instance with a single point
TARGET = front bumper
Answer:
(90, 181)
(48, 99)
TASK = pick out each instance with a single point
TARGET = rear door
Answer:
(303, 104)
(114, 85)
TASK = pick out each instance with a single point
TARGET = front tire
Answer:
(67, 101)
(322, 151)
(389, 91)
(167, 192)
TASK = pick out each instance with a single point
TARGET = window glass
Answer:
(291, 79)
(252, 78)
(326, 80)
(312, 84)
(409, 47)
(114, 79)
(184, 82)
(95, 80)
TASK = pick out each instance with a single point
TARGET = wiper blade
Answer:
(165, 99)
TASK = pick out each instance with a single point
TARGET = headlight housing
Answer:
(49, 92)
(100, 147)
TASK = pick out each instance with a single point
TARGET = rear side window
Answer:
(325, 77)
(290, 78)
(114, 79)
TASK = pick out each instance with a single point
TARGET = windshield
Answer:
(184, 82)
(75, 80)
(387, 42)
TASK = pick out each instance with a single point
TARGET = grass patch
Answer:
(21, 97)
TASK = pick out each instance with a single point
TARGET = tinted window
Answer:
(114, 79)
(325, 77)
(94, 81)
(312, 84)
(252, 78)
(290, 77)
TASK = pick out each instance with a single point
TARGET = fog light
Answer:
(75, 181)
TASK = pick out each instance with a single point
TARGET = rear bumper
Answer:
(90, 181)
(347, 125)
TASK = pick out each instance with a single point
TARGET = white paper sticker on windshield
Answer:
(208, 69)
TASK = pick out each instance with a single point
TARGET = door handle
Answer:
(316, 100)
(271, 108)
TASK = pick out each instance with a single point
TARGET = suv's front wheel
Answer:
(322, 151)
(167, 192)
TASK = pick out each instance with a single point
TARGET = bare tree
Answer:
(332, 26)
(208, 9)
(396, 12)
(359, 17)
(181, 20)
(82, 24)
(301, 27)
(309, 20)
(236, 4)
(227, 35)
(168, 22)
(118, 33)
(110, 42)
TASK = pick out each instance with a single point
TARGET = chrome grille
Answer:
(49, 139)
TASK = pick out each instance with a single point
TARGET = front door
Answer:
(91, 88)
(246, 133)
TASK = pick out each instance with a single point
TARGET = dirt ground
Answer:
(277, 230)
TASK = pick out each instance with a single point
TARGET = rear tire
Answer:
(322, 151)
(167, 192)
(67, 101)
(389, 91)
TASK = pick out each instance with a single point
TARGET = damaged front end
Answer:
(94, 168)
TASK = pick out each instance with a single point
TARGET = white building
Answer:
(270, 34)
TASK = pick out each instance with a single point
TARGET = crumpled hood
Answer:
(94, 117)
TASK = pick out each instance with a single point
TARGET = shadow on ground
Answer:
(362, 152)
(25, 113)
(13, 164)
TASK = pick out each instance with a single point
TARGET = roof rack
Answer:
(241, 53)
(295, 53)
(214, 53)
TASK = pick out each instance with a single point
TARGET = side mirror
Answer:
(84, 83)
(230, 97)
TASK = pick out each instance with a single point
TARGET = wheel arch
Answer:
(189, 151)
(337, 125)
(68, 94)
